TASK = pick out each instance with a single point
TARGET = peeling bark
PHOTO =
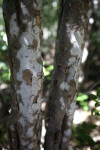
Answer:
(23, 27)
(72, 30)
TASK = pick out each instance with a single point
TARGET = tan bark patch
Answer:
(39, 60)
(82, 46)
(38, 22)
(35, 44)
(27, 76)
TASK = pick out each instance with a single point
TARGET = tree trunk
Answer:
(23, 27)
(72, 29)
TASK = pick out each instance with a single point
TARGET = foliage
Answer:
(96, 99)
(47, 69)
(81, 134)
(4, 73)
(47, 75)
(4, 68)
(3, 46)
(3, 136)
(82, 101)
(49, 22)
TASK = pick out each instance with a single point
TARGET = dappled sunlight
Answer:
(80, 116)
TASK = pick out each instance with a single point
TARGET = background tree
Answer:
(23, 28)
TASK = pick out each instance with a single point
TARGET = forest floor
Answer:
(81, 117)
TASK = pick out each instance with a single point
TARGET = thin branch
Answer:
(93, 86)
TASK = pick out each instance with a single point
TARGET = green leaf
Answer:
(92, 126)
(47, 70)
(82, 97)
(98, 91)
(85, 108)
(97, 104)
(50, 68)
(93, 97)
(95, 112)
(44, 63)
(90, 140)
(98, 147)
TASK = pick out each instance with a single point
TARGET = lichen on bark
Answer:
(23, 27)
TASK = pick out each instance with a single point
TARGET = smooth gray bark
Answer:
(72, 28)
(23, 27)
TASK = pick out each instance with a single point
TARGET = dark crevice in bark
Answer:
(18, 11)
(10, 139)
(18, 137)
(62, 131)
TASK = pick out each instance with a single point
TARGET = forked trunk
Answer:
(72, 29)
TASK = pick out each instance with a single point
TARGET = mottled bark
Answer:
(23, 27)
(72, 30)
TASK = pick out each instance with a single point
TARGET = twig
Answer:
(94, 85)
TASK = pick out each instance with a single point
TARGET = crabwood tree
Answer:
(23, 27)
(72, 29)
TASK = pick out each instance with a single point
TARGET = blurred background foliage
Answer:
(86, 132)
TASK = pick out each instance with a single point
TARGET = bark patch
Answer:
(35, 44)
(38, 22)
(27, 76)
(39, 60)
